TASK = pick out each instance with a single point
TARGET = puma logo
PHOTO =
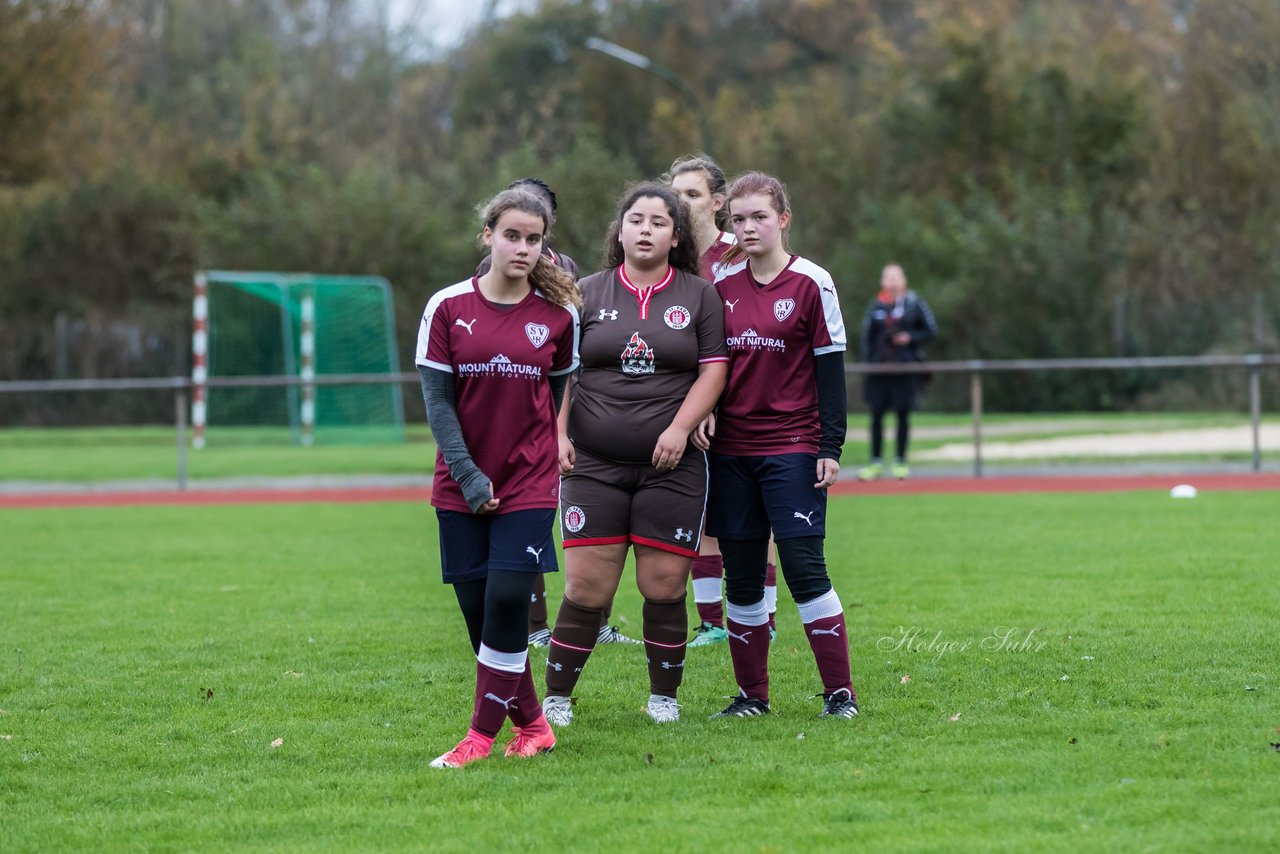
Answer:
(834, 632)
(465, 325)
(555, 665)
(537, 553)
(506, 704)
(807, 517)
(732, 304)
(742, 637)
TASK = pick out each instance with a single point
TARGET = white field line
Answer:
(1209, 440)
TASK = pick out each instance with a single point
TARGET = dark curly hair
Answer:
(683, 256)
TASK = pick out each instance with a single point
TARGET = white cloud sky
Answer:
(443, 23)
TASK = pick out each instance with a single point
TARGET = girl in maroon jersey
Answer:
(701, 184)
(494, 352)
(776, 448)
(653, 365)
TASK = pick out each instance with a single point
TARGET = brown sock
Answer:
(572, 641)
(605, 613)
(538, 606)
(666, 625)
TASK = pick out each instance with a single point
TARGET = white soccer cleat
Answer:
(612, 634)
(664, 710)
(558, 710)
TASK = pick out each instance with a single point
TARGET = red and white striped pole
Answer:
(308, 348)
(199, 358)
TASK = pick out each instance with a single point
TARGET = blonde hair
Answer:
(756, 184)
(546, 277)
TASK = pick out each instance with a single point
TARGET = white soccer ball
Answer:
(1183, 490)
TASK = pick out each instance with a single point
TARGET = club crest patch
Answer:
(782, 309)
(637, 356)
(537, 333)
(574, 518)
(677, 317)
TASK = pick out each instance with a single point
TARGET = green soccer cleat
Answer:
(707, 634)
(871, 472)
(900, 471)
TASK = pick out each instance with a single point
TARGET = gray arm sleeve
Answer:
(442, 415)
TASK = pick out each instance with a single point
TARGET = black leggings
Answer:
(496, 609)
(804, 568)
(877, 432)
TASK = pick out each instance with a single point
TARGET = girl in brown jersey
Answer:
(653, 366)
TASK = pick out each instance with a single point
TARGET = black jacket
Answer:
(880, 325)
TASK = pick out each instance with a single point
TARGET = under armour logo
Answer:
(742, 637)
(806, 517)
(667, 665)
(555, 665)
(537, 553)
(465, 325)
(732, 304)
(506, 704)
(607, 314)
(682, 534)
(834, 631)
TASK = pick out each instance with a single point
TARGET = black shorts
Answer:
(471, 544)
(603, 502)
(897, 392)
(754, 496)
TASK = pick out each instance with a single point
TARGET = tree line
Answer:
(1060, 178)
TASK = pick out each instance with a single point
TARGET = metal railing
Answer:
(975, 368)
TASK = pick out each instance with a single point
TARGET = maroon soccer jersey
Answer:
(711, 258)
(641, 348)
(770, 405)
(500, 358)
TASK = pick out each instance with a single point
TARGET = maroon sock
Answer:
(497, 694)
(527, 709)
(749, 648)
(711, 568)
(829, 640)
(538, 606)
(665, 626)
(572, 641)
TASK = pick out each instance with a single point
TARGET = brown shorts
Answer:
(603, 502)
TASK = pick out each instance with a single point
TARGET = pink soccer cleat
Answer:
(473, 748)
(531, 740)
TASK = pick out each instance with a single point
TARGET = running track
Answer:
(917, 486)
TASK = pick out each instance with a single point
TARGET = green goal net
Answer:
(295, 325)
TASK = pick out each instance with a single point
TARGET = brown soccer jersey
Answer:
(640, 350)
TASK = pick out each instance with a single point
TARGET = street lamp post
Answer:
(630, 57)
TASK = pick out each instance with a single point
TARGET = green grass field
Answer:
(149, 657)
(96, 454)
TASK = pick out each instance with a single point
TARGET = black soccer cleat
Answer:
(744, 707)
(839, 704)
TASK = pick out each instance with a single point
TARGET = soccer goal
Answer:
(250, 324)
